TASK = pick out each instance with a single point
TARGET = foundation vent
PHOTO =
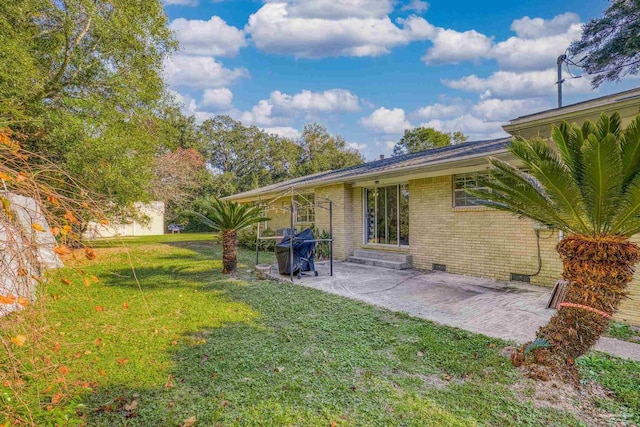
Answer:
(439, 267)
(517, 277)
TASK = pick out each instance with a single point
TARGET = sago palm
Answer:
(228, 218)
(587, 184)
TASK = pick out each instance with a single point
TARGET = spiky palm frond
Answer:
(589, 183)
(227, 215)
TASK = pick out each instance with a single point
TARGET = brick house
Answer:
(415, 205)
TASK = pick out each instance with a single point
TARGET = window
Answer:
(305, 208)
(387, 215)
(466, 181)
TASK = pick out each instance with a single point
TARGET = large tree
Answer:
(81, 84)
(245, 157)
(320, 151)
(610, 45)
(423, 138)
(588, 186)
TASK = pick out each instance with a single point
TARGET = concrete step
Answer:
(394, 265)
(382, 255)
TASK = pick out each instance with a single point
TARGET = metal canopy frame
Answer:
(326, 204)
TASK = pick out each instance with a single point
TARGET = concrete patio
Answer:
(507, 310)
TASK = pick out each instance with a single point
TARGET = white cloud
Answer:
(439, 111)
(418, 6)
(539, 53)
(510, 84)
(533, 28)
(473, 127)
(450, 46)
(336, 9)
(356, 146)
(386, 121)
(199, 72)
(283, 131)
(180, 2)
(188, 105)
(208, 38)
(537, 44)
(506, 109)
(326, 101)
(274, 29)
(218, 99)
(260, 114)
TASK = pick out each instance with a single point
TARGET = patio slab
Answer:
(507, 310)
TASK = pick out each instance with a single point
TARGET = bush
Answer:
(247, 239)
(322, 248)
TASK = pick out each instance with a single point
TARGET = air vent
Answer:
(439, 267)
(517, 277)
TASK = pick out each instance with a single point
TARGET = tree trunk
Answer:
(598, 270)
(229, 251)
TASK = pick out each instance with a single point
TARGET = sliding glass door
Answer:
(387, 215)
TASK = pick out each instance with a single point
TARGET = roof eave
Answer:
(321, 183)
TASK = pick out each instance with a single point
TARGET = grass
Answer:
(623, 331)
(189, 341)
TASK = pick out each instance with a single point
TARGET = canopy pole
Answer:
(331, 238)
(292, 236)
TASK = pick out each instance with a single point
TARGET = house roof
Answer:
(600, 102)
(411, 161)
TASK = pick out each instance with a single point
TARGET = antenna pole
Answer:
(560, 60)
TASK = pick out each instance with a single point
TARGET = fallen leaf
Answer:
(89, 253)
(190, 422)
(97, 342)
(7, 299)
(169, 383)
(55, 231)
(104, 221)
(225, 403)
(23, 301)
(62, 250)
(279, 369)
(63, 370)
(23, 272)
(420, 353)
(69, 216)
(66, 280)
(334, 424)
(174, 342)
(87, 281)
(131, 406)
(53, 200)
(125, 305)
(122, 361)
(56, 347)
(19, 340)
(99, 308)
(56, 398)
(95, 279)
(37, 227)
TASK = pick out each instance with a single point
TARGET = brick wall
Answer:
(475, 241)
(484, 242)
(343, 219)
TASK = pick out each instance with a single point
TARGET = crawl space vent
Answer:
(439, 267)
(517, 277)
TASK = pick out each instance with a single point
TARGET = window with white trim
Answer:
(305, 208)
(464, 181)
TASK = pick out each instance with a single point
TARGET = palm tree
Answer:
(228, 218)
(588, 186)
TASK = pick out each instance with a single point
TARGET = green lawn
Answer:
(191, 342)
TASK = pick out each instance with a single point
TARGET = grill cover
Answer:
(303, 253)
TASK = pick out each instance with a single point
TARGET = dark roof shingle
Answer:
(422, 158)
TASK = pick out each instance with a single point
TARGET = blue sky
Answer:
(368, 69)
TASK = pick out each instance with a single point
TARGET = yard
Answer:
(175, 342)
